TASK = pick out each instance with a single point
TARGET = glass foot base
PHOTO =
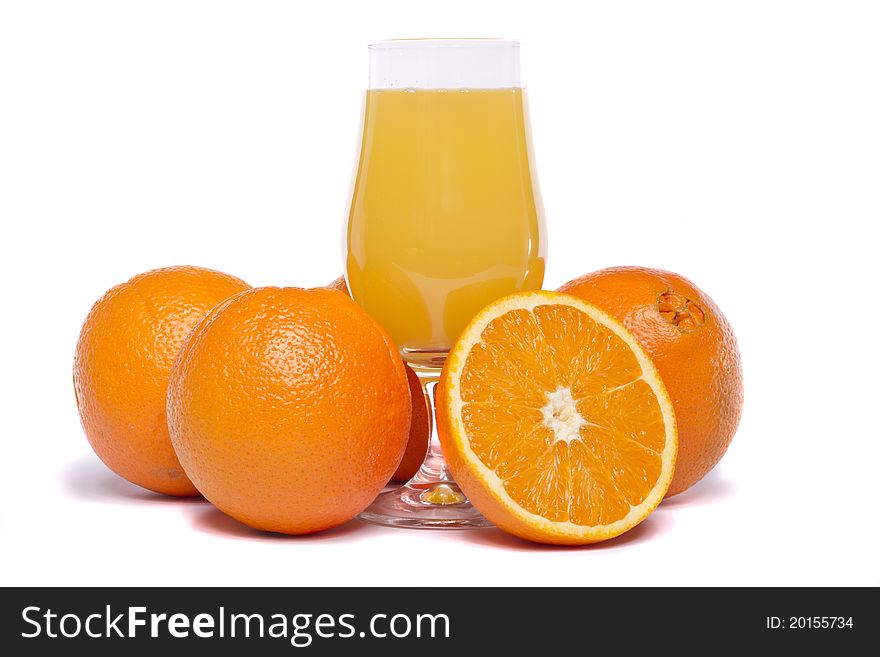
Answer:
(438, 505)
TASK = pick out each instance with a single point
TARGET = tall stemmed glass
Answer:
(445, 217)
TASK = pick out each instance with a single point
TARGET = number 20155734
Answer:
(809, 623)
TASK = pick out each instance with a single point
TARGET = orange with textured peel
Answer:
(420, 428)
(419, 431)
(289, 408)
(554, 421)
(693, 346)
(124, 355)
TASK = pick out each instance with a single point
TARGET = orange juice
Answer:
(446, 215)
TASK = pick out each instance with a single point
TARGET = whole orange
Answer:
(419, 431)
(124, 355)
(692, 346)
(420, 428)
(289, 408)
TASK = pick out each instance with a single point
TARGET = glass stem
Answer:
(433, 478)
(431, 499)
(433, 468)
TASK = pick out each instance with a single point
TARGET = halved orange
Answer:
(554, 421)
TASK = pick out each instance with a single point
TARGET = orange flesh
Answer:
(556, 364)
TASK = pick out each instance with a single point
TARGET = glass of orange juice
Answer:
(445, 217)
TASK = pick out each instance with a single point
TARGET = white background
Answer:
(737, 143)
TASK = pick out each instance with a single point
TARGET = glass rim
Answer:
(420, 43)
